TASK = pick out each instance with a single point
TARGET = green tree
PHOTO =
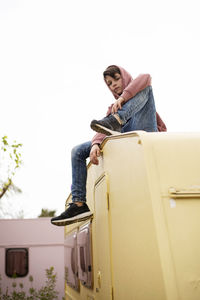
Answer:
(47, 213)
(46, 292)
(10, 161)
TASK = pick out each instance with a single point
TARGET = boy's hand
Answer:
(117, 105)
(94, 154)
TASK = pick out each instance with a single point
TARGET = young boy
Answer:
(134, 109)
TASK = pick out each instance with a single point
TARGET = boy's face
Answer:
(115, 84)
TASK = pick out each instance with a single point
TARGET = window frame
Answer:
(85, 257)
(26, 251)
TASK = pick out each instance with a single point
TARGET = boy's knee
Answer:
(146, 91)
(75, 151)
(81, 151)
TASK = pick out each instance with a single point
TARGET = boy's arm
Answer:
(94, 154)
(98, 138)
(95, 150)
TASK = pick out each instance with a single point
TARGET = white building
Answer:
(28, 247)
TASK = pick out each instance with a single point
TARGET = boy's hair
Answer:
(111, 71)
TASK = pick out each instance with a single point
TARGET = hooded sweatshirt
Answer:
(130, 88)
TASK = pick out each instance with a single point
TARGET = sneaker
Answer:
(108, 125)
(73, 214)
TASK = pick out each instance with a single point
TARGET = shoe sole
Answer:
(101, 129)
(79, 218)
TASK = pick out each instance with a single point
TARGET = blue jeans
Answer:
(139, 113)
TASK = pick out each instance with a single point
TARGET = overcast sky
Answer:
(52, 55)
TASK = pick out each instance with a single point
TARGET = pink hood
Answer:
(132, 86)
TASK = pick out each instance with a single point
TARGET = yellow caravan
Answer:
(143, 242)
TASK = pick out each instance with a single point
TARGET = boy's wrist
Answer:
(96, 144)
(121, 99)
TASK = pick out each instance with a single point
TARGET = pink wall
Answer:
(46, 248)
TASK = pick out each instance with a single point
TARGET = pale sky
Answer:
(52, 55)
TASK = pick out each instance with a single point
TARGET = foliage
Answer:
(46, 292)
(10, 161)
(46, 213)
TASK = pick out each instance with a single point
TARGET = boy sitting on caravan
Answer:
(134, 109)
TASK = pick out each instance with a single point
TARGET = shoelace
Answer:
(69, 205)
